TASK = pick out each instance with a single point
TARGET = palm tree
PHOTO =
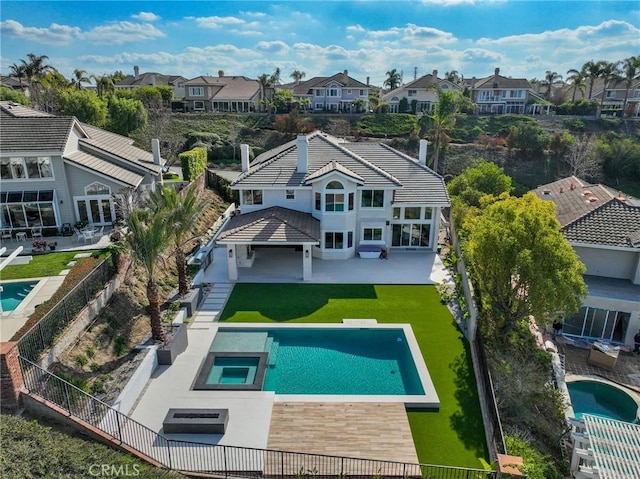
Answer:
(18, 71)
(79, 77)
(181, 215)
(631, 68)
(263, 80)
(104, 85)
(608, 71)
(274, 79)
(147, 240)
(34, 69)
(550, 79)
(576, 78)
(297, 75)
(394, 79)
(453, 76)
(591, 70)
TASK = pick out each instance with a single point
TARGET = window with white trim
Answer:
(372, 199)
(97, 189)
(363, 93)
(319, 92)
(196, 91)
(30, 168)
(198, 105)
(290, 194)
(371, 234)
(251, 197)
(334, 240)
(334, 196)
(412, 92)
(333, 91)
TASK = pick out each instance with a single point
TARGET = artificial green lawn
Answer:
(452, 436)
(50, 264)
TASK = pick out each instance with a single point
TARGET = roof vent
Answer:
(546, 192)
(592, 199)
(586, 193)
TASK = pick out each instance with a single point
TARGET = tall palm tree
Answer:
(576, 79)
(608, 71)
(181, 215)
(550, 79)
(591, 70)
(274, 79)
(34, 69)
(104, 85)
(79, 77)
(147, 240)
(394, 79)
(297, 75)
(631, 68)
(453, 76)
(264, 82)
(18, 71)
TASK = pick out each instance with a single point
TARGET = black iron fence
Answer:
(242, 462)
(45, 332)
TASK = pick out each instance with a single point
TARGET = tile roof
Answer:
(343, 78)
(593, 214)
(233, 87)
(499, 81)
(146, 79)
(378, 165)
(333, 165)
(104, 167)
(271, 225)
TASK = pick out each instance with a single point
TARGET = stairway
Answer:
(213, 304)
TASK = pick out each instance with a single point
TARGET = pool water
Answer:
(13, 294)
(340, 361)
(233, 371)
(600, 399)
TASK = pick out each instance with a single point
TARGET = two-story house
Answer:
(222, 93)
(339, 92)
(332, 200)
(57, 170)
(418, 96)
(498, 94)
(603, 227)
(130, 82)
(617, 97)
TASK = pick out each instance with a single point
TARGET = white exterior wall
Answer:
(613, 304)
(609, 263)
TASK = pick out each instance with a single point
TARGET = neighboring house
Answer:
(497, 94)
(56, 170)
(420, 94)
(331, 200)
(614, 97)
(222, 93)
(339, 92)
(603, 227)
(138, 79)
(15, 84)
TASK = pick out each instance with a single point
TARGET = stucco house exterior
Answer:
(421, 94)
(603, 227)
(497, 94)
(57, 170)
(331, 200)
(222, 93)
(130, 82)
(334, 93)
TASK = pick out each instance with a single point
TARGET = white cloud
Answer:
(123, 32)
(355, 28)
(217, 22)
(275, 48)
(55, 34)
(449, 3)
(146, 17)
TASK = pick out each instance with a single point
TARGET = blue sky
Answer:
(368, 38)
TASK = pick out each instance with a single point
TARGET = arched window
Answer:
(334, 200)
(97, 189)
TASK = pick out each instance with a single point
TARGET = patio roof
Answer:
(615, 445)
(275, 225)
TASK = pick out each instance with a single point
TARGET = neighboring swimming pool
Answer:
(13, 294)
(601, 399)
(319, 360)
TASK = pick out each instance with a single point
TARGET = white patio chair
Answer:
(87, 236)
(6, 234)
(77, 235)
(36, 232)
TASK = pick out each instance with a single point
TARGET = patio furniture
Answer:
(87, 235)
(196, 421)
(36, 232)
(7, 234)
(603, 355)
(78, 235)
(21, 236)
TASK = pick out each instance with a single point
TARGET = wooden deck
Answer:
(359, 430)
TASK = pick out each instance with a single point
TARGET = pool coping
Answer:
(570, 378)
(39, 283)
(200, 384)
(429, 400)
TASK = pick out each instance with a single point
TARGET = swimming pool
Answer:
(327, 360)
(13, 294)
(601, 399)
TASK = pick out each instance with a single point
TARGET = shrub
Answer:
(193, 163)
(119, 346)
(81, 360)
(91, 352)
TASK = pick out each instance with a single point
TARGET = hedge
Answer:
(193, 163)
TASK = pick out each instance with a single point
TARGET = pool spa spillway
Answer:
(599, 398)
(315, 361)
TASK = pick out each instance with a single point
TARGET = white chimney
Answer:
(136, 72)
(422, 155)
(155, 150)
(302, 144)
(244, 155)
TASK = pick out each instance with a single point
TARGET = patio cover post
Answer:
(232, 264)
(307, 262)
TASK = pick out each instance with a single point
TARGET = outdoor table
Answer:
(21, 236)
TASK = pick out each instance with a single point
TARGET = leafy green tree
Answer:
(282, 100)
(560, 143)
(529, 139)
(631, 69)
(79, 77)
(523, 264)
(85, 106)
(292, 123)
(126, 115)
(150, 97)
(621, 157)
(181, 216)
(479, 179)
(147, 239)
(393, 80)
(7, 94)
(105, 85)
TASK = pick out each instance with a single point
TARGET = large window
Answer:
(595, 323)
(372, 199)
(334, 240)
(333, 91)
(27, 209)
(334, 197)
(410, 234)
(196, 91)
(319, 92)
(372, 234)
(18, 168)
(252, 197)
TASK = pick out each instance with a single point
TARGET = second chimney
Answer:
(136, 72)
(244, 157)
(422, 155)
(155, 151)
(302, 145)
